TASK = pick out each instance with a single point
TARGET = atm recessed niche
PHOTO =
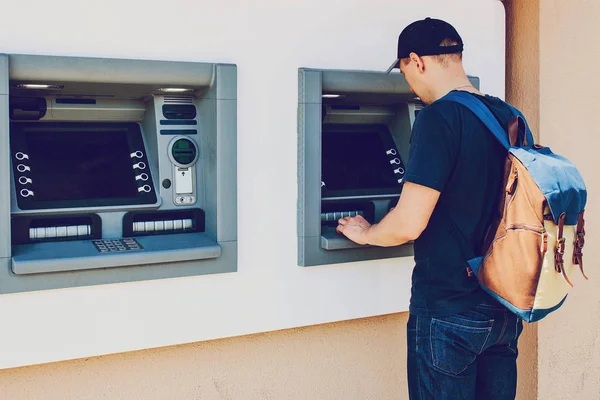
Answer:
(119, 170)
(341, 113)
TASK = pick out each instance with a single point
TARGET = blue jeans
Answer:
(470, 355)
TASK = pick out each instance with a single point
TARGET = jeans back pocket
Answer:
(457, 341)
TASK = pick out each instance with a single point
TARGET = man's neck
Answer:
(453, 79)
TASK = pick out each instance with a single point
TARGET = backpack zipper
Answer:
(542, 231)
(526, 227)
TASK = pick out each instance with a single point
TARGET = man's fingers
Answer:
(343, 221)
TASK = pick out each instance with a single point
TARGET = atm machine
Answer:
(341, 113)
(115, 170)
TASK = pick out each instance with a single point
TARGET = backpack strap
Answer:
(559, 250)
(528, 136)
(579, 242)
(517, 130)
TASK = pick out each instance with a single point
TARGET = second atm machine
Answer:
(354, 132)
(119, 170)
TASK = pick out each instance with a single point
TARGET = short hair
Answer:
(443, 59)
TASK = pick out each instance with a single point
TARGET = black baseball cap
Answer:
(423, 37)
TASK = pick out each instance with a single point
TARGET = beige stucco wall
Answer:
(569, 349)
(361, 359)
(522, 90)
(523, 58)
(552, 75)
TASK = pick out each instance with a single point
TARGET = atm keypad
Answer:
(116, 245)
(335, 215)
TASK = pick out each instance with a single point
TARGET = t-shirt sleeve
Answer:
(433, 151)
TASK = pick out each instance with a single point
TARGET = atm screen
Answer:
(359, 160)
(76, 165)
(80, 165)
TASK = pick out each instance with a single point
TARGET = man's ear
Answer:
(414, 57)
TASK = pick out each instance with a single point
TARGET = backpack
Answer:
(533, 249)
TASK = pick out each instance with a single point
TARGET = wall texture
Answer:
(569, 345)
(523, 58)
(522, 90)
(551, 74)
(360, 359)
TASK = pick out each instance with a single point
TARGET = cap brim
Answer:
(396, 64)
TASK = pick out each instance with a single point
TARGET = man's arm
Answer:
(404, 223)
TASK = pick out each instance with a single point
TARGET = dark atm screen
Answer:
(356, 161)
(75, 165)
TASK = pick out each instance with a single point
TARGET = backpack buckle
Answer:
(580, 240)
(559, 252)
(578, 245)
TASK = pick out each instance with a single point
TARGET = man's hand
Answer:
(354, 228)
(403, 223)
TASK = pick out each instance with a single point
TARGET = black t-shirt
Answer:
(454, 153)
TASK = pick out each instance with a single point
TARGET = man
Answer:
(462, 344)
